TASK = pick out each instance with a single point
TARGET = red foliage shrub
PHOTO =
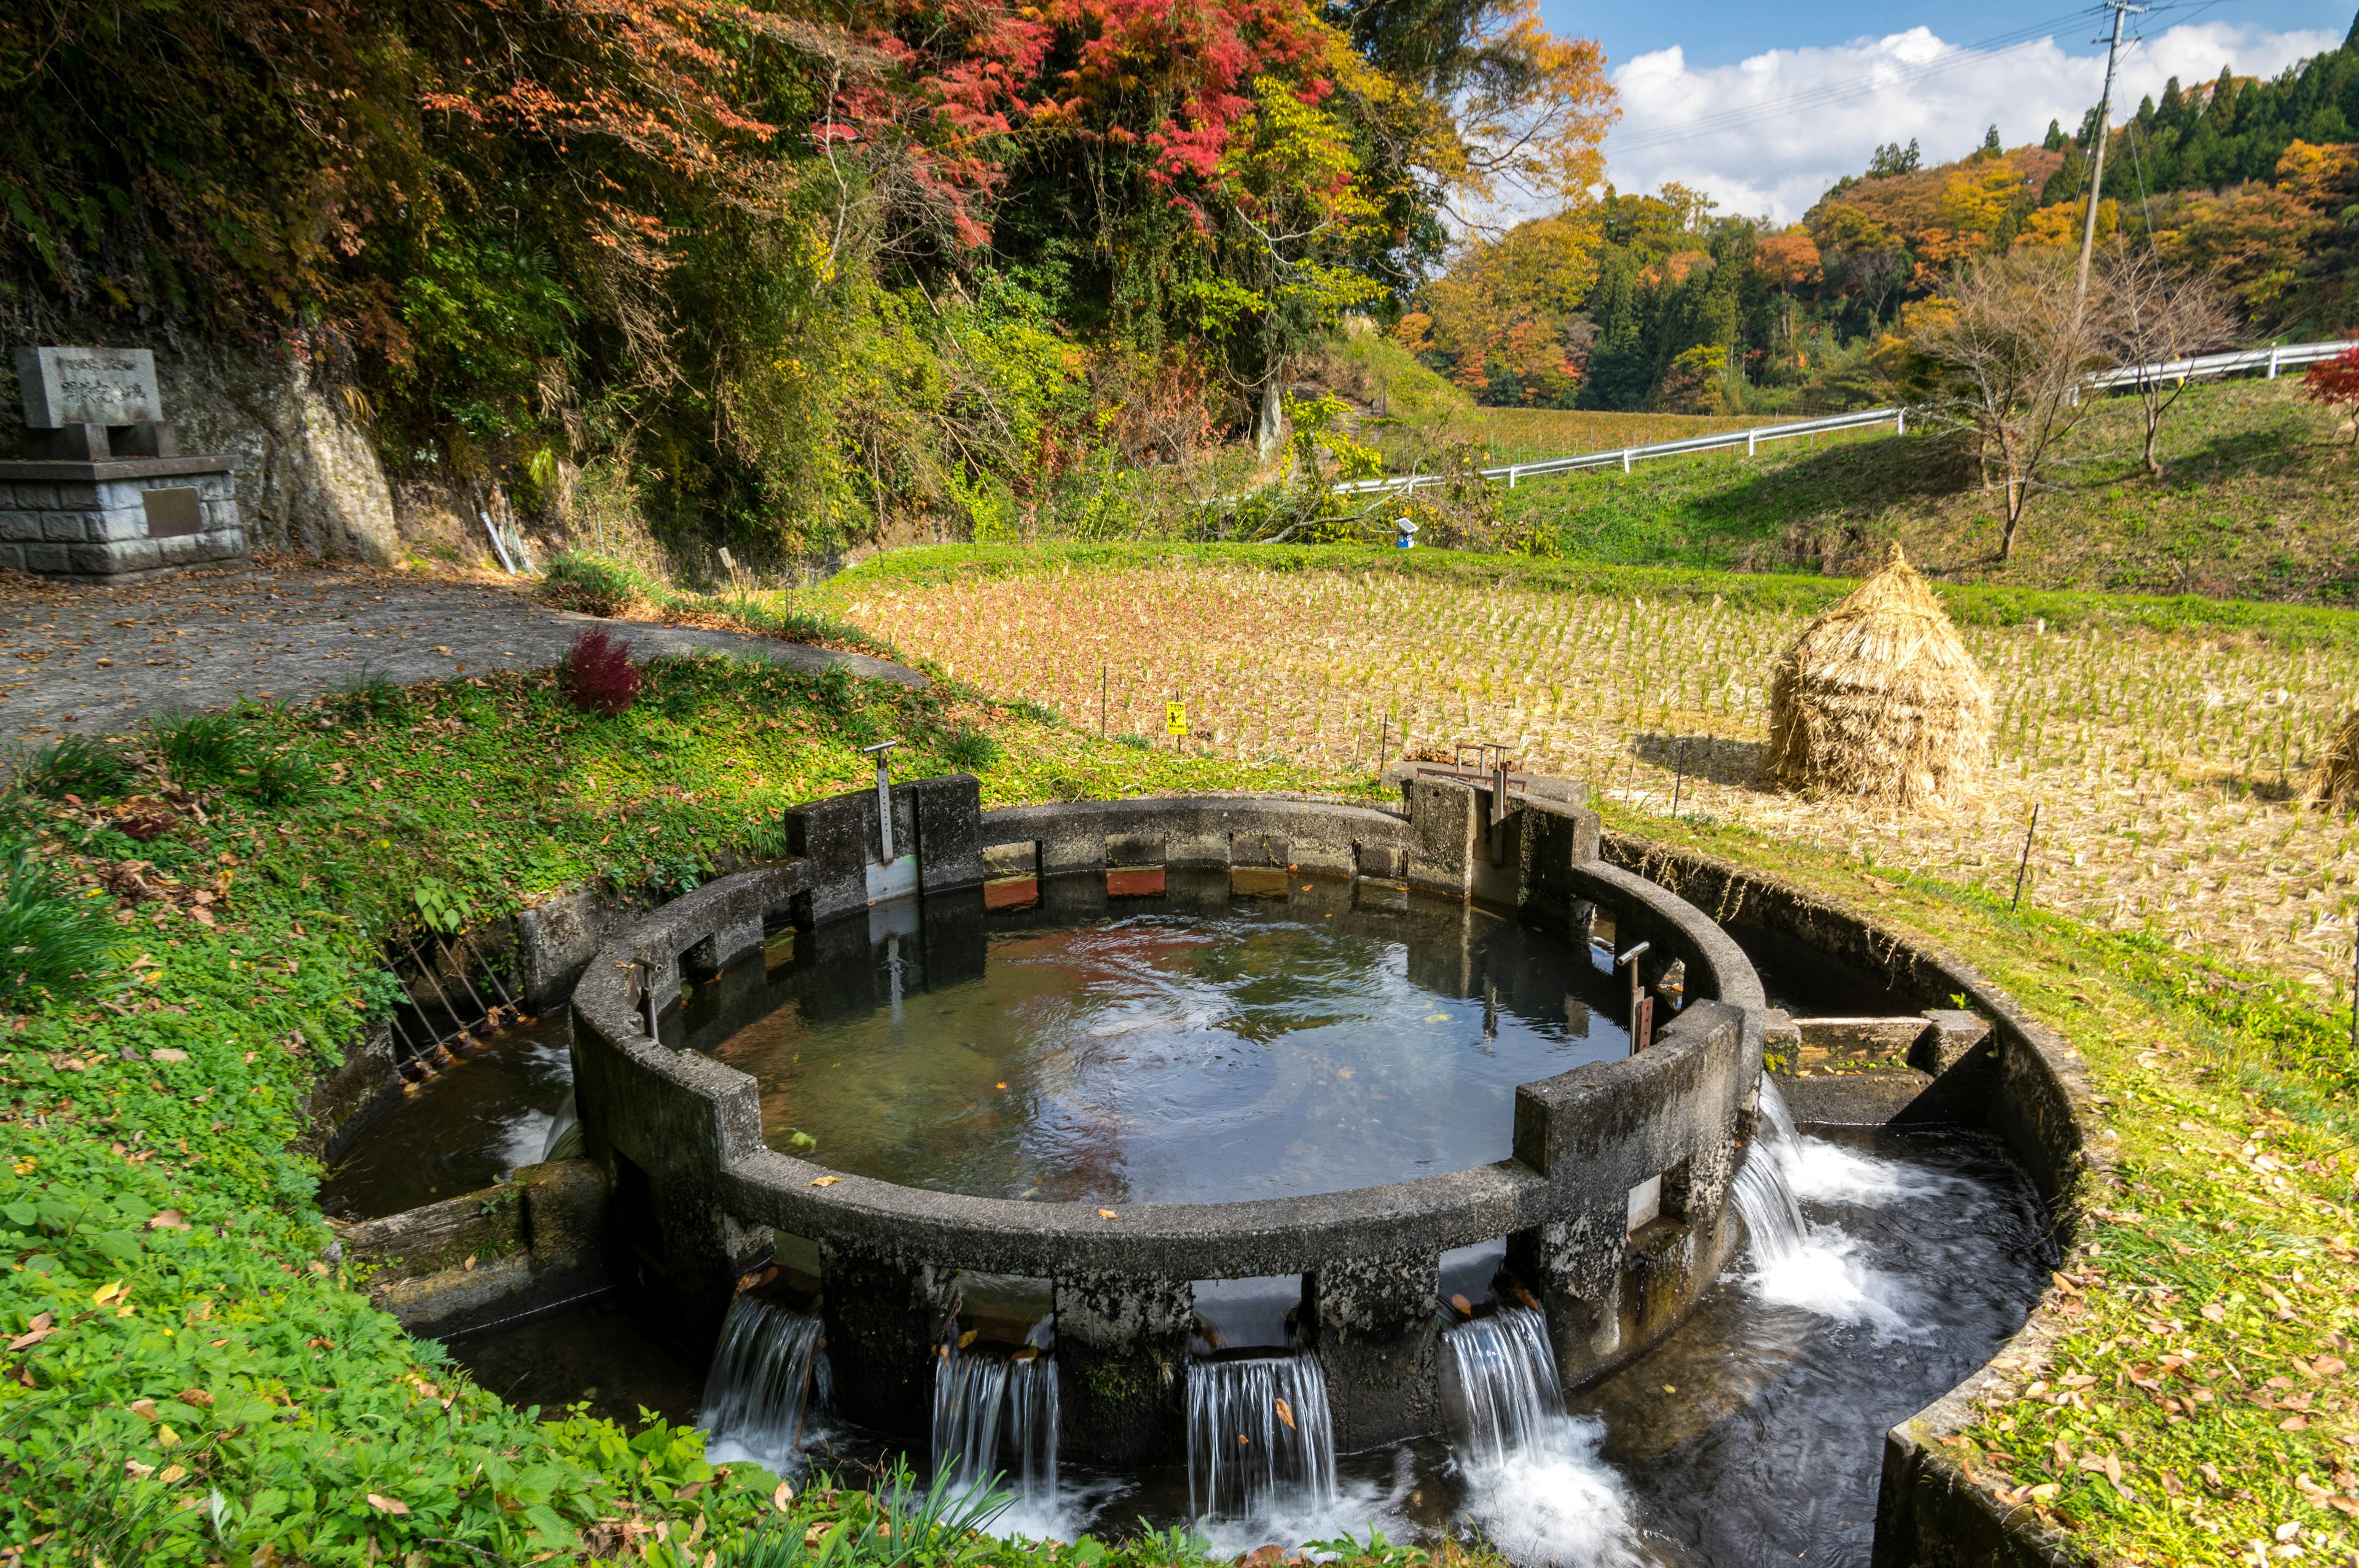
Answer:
(599, 676)
(2335, 383)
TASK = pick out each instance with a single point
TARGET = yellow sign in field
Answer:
(1175, 718)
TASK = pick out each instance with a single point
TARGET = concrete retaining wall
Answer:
(698, 1196)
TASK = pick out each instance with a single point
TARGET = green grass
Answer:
(2259, 499)
(194, 1380)
(1970, 603)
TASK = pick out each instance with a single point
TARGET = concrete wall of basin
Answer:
(699, 1197)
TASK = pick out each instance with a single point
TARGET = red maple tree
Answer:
(2335, 383)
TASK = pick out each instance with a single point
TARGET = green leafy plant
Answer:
(201, 748)
(374, 698)
(54, 942)
(897, 1523)
(76, 766)
(443, 907)
(969, 748)
(279, 778)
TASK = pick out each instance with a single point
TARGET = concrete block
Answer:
(1122, 1354)
(1857, 1039)
(1135, 849)
(1949, 1035)
(948, 815)
(46, 558)
(1260, 850)
(108, 560)
(66, 527)
(1380, 1347)
(20, 526)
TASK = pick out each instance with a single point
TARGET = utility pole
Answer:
(2120, 8)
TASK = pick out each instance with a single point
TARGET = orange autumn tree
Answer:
(1500, 314)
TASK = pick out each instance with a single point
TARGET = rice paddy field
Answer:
(2167, 768)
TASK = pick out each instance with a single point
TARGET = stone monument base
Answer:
(121, 521)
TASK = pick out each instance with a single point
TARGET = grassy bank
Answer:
(2259, 499)
(188, 1376)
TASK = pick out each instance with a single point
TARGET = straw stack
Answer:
(1877, 698)
(2336, 782)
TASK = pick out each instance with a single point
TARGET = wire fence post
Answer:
(2026, 864)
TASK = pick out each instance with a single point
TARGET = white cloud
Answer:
(1761, 152)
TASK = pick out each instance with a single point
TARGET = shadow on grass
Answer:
(1713, 757)
(2274, 450)
(1785, 508)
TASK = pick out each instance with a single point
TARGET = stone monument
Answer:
(106, 496)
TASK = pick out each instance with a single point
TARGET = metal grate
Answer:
(443, 1013)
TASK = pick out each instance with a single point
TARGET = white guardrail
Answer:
(2286, 356)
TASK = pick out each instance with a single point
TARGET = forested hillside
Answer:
(758, 275)
(1659, 302)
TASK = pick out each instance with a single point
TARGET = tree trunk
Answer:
(1272, 435)
(2018, 492)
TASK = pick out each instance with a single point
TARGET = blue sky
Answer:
(1721, 32)
(1764, 105)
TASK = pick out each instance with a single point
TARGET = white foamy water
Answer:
(1816, 1268)
(768, 1380)
(1535, 1484)
(995, 1421)
(1554, 1501)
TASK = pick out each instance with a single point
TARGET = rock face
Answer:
(307, 475)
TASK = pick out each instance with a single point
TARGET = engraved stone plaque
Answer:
(65, 386)
(172, 514)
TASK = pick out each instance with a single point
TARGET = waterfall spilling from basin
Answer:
(1502, 1391)
(769, 1374)
(1534, 1482)
(1259, 1437)
(1776, 1122)
(1773, 1217)
(995, 1420)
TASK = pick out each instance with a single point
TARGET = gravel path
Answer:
(98, 661)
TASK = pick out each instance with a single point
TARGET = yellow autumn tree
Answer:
(1501, 309)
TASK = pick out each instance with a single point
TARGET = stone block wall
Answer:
(97, 521)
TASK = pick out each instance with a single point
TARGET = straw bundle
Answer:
(2336, 782)
(1878, 698)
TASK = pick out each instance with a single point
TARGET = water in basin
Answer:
(1205, 1044)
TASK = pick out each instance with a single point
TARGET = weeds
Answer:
(55, 943)
(594, 585)
(968, 749)
(373, 699)
(202, 748)
(76, 766)
(279, 778)
(896, 1524)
